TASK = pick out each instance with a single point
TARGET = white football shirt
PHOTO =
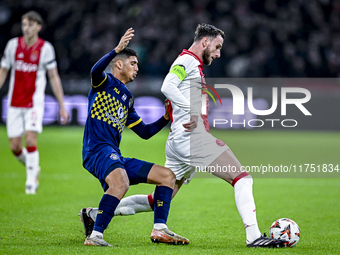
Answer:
(28, 66)
(187, 99)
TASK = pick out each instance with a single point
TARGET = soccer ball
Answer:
(285, 229)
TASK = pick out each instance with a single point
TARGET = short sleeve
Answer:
(48, 56)
(8, 56)
(99, 80)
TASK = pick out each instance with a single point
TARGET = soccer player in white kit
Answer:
(29, 58)
(190, 145)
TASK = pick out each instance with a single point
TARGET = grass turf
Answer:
(204, 211)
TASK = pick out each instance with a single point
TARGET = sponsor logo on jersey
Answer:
(113, 119)
(21, 55)
(116, 90)
(206, 91)
(25, 67)
(120, 112)
(124, 97)
(113, 156)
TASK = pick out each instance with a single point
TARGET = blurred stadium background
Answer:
(264, 38)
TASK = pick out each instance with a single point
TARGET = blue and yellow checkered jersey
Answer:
(110, 110)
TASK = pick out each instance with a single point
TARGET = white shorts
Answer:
(185, 154)
(20, 120)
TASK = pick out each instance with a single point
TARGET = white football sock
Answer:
(133, 204)
(96, 233)
(128, 206)
(22, 156)
(245, 204)
(159, 226)
(93, 213)
(32, 167)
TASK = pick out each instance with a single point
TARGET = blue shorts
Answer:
(107, 159)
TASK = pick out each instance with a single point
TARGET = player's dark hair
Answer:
(126, 53)
(207, 30)
(33, 16)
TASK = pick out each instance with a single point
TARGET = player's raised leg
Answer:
(135, 204)
(17, 149)
(131, 205)
(138, 203)
(127, 206)
(243, 190)
(118, 185)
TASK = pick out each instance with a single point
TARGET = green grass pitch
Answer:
(204, 211)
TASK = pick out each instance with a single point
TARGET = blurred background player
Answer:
(111, 109)
(190, 144)
(29, 58)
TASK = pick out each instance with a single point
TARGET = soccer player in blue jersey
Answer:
(110, 111)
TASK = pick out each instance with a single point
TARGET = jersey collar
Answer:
(193, 55)
(33, 46)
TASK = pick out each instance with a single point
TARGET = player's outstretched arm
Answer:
(3, 75)
(147, 131)
(59, 94)
(97, 72)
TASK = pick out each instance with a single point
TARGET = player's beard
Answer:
(206, 57)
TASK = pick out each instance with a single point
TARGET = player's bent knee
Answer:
(118, 183)
(123, 186)
(31, 141)
(160, 175)
(15, 146)
(31, 138)
(169, 177)
(15, 149)
(118, 189)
